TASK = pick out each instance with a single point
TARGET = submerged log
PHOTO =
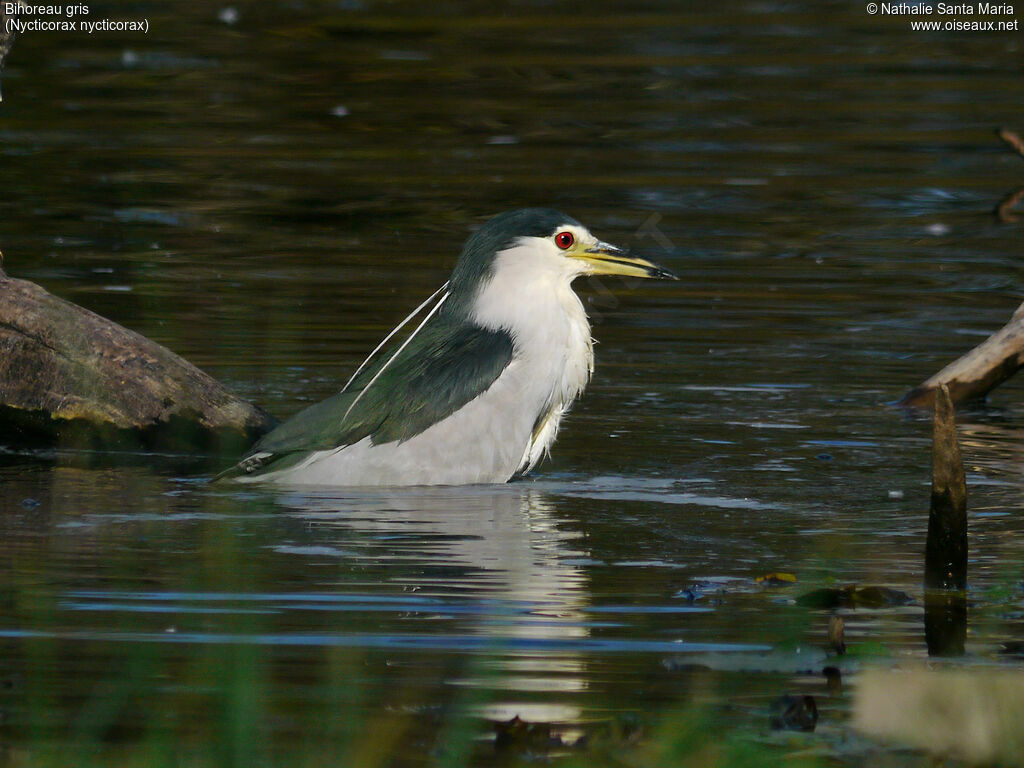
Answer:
(1011, 138)
(979, 371)
(69, 377)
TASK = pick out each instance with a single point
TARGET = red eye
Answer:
(564, 240)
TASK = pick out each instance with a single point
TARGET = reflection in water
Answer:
(945, 622)
(503, 545)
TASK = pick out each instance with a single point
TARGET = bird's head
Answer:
(543, 240)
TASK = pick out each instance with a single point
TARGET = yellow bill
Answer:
(608, 259)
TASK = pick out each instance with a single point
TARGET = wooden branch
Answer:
(979, 371)
(1005, 208)
(997, 358)
(68, 374)
(1012, 139)
(1004, 211)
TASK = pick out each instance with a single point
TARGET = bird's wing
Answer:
(445, 366)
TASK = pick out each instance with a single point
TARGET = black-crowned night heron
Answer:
(476, 393)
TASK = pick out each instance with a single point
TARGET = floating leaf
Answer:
(776, 578)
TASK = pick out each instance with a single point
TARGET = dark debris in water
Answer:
(787, 661)
(522, 737)
(1013, 648)
(523, 740)
(833, 680)
(689, 594)
(854, 597)
(794, 713)
(713, 592)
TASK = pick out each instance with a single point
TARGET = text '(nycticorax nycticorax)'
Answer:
(475, 394)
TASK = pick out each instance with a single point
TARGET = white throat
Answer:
(530, 295)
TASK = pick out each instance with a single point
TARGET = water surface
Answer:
(268, 197)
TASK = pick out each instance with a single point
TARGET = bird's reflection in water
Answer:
(503, 550)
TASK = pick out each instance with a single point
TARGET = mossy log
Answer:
(69, 377)
(982, 369)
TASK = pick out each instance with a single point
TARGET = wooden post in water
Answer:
(946, 549)
(945, 558)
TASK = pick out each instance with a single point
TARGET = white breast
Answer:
(530, 295)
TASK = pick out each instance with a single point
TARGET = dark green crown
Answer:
(497, 234)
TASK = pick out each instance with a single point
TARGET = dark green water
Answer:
(268, 197)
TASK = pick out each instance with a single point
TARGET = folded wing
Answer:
(446, 365)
